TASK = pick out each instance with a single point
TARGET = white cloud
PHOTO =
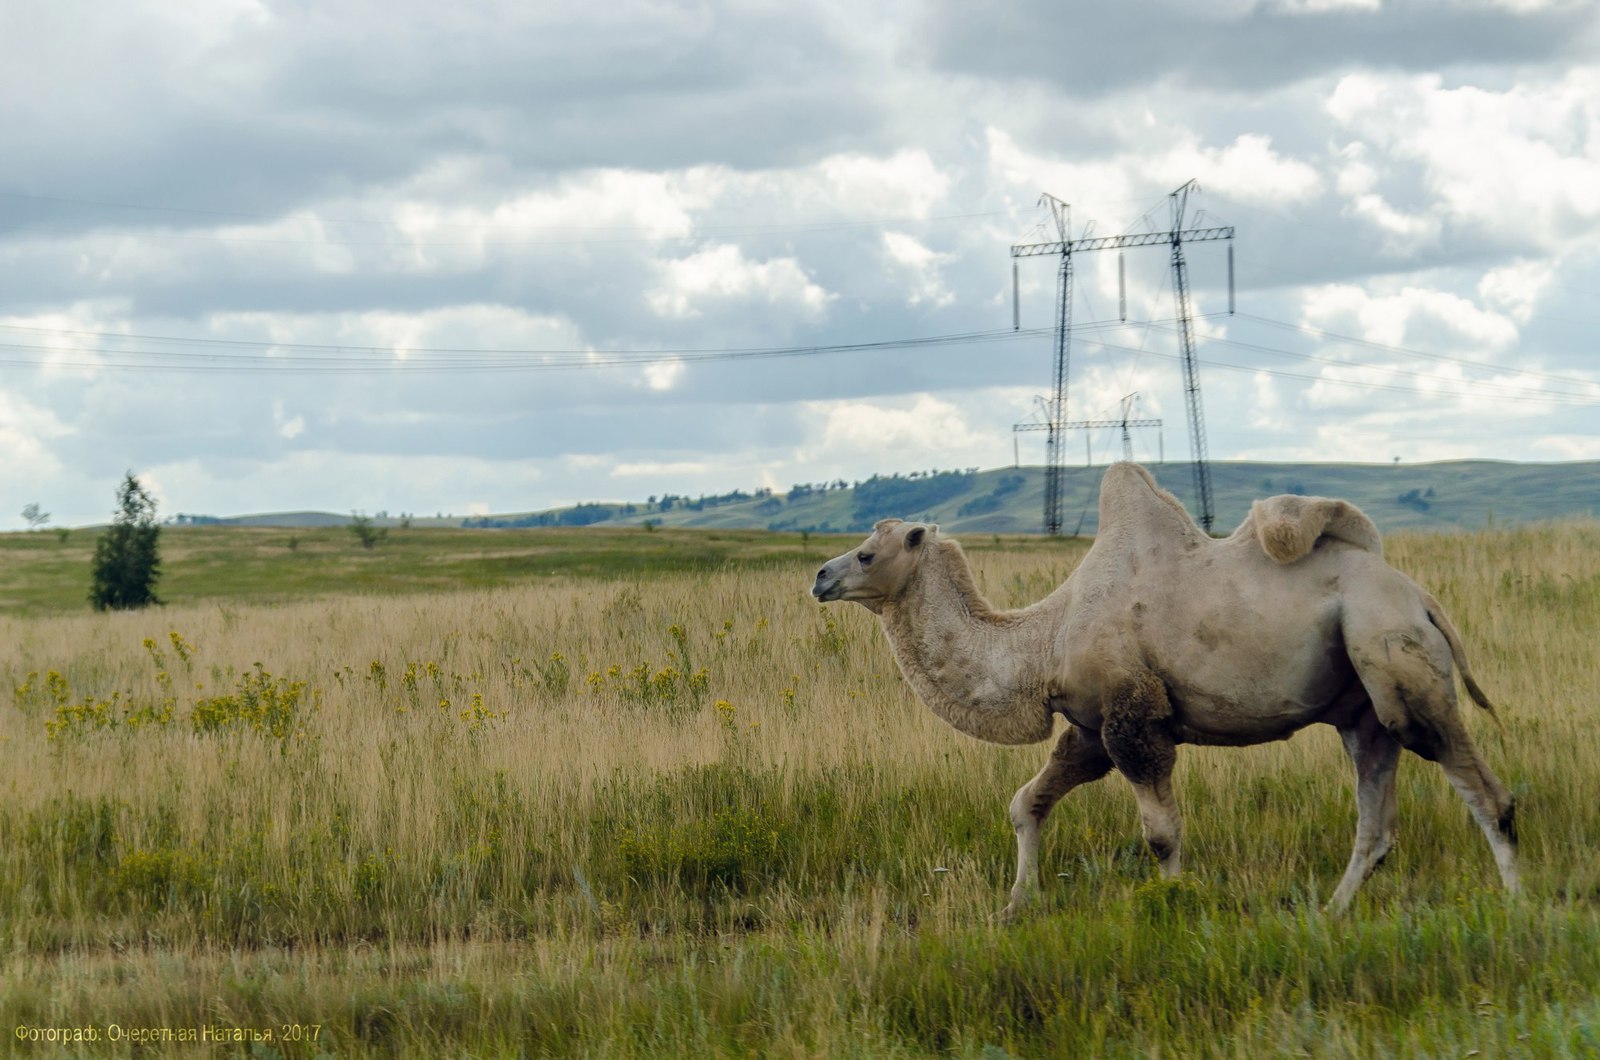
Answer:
(910, 432)
(26, 430)
(907, 183)
(1267, 412)
(1569, 447)
(1318, 7)
(1527, 7)
(1393, 319)
(923, 422)
(1517, 287)
(1150, 164)
(1356, 174)
(65, 341)
(403, 334)
(722, 273)
(663, 375)
(602, 206)
(340, 482)
(1249, 169)
(923, 265)
(659, 468)
(1522, 163)
(1403, 233)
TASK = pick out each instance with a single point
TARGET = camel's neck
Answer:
(984, 672)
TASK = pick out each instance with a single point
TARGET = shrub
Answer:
(127, 559)
(362, 529)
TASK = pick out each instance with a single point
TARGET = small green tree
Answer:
(35, 516)
(365, 532)
(127, 558)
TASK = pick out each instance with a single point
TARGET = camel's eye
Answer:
(863, 558)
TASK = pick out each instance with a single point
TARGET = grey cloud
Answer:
(1092, 51)
(311, 105)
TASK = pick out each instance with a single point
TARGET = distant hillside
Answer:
(1463, 493)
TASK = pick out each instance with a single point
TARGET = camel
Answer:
(1164, 636)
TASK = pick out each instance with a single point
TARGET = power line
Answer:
(1502, 387)
(1487, 389)
(341, 347)
(600, 235)
(212, 355)
(1309, 331)
(343, 361)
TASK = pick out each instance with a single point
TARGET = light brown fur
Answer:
(1289, 526)
(1164, 636)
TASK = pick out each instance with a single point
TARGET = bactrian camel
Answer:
(1164, 636)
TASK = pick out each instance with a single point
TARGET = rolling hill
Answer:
(1454, 494)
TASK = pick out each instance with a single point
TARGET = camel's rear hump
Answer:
(1289, 527)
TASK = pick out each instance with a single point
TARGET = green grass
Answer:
(40, 574)
(432, 820)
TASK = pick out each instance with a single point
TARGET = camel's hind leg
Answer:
(1407, 673)
(1491, 804)
(1078, 758)
(1375, 754)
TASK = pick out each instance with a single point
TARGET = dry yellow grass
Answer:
(565, 798)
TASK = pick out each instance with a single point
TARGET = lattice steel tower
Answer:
(1065, 247)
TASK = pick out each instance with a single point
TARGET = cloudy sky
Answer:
(492, 257)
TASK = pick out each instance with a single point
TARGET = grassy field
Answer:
(42, 573)
(634, 794)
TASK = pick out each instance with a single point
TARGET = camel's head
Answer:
(876, 571)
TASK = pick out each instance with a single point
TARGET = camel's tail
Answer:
(1442, 622)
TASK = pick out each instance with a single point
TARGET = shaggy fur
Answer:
(1165, 636)
(1289, 527)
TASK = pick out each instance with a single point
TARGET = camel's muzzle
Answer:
(830, 582)
(826, 588)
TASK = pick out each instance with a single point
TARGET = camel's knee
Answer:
(1482, 790)
(1025, 811)
(1078, 758)
(1033, 801)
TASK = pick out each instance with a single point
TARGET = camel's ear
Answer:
(914, 537)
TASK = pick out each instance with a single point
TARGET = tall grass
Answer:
(698, 813)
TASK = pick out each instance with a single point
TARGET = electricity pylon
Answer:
(1065, 247)
(1122, 424)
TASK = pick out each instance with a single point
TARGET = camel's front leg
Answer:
(1078, 758)
(1138, 736)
